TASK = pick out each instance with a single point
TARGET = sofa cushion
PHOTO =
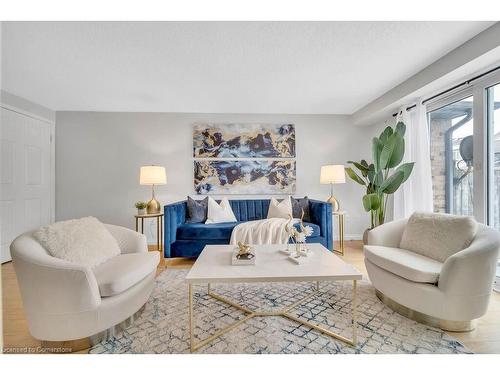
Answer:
(281, 209)
(220, 212)
(196, 210)
(438, 236)
(404, 263)
(124, 271)
(84, 241)
(199, 231)
(220, 231)
(299, 206)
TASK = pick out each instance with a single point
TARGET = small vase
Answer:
(141, 211)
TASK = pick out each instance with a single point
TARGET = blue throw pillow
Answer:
(197, 210)
(299, 204)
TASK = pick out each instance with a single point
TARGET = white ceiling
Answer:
(219, 67)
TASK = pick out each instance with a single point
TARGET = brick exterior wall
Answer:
(438, 129)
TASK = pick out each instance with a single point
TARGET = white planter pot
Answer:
(141, 211)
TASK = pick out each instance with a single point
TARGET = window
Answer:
(451, 128)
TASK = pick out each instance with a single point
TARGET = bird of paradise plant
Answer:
(385, 175)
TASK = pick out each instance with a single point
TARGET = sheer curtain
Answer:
(416, 193)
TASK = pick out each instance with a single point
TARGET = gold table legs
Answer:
(341, 218)
(159, 229)
(283, 313)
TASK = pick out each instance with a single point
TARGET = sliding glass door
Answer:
(451, 139)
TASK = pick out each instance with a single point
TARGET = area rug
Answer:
(163, 326)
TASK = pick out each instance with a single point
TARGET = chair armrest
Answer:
(321, 215)
(50, 285)
(472, 270)
(388, 234)
(175, 215)
(128, 240)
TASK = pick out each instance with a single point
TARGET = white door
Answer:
(25, 176)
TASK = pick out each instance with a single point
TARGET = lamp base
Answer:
(153, 207)
(334, 202)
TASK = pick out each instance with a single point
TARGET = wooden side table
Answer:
(159, 228)
(341, 219)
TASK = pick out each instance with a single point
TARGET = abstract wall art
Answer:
(244, 158)
(244, 176)
(244, 141)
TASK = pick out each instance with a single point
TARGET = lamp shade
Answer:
(332, 174)
(153, 175)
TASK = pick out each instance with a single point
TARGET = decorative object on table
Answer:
(385, 175)
(196, 210)
(244, 141)
(141, 207)
(222, 153)
(243, 255)
(244, 176)
(153, 175)
(159, 229)
(244, 251)
(332, 174)
(281, 209)
(341, 218)
(219, 212)
(298, 238)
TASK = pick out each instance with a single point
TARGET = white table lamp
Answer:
(332, 174)
(153, 175)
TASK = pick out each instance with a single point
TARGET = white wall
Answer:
(98, 155)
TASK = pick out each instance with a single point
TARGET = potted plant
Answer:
(385, 175)
(141, 207)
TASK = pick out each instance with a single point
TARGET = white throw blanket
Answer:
(261, 232)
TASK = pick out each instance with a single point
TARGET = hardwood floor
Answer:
(484, 339)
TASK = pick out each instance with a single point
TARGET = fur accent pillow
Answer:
(438, 236)
(83, 241)
(282, 209)
(220, 213)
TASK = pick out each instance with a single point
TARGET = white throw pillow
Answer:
(282, 209)
(84, 241)
(438, 236)
(219, 213)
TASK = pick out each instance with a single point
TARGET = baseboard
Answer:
(352, 237)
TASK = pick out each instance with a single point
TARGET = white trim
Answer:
(25, 113)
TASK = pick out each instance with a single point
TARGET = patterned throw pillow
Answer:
(299, 204)
(197, 210)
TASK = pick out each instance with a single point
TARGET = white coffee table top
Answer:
(214, 265)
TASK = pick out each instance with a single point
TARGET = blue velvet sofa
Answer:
(188, 239)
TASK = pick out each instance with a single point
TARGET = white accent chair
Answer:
(67, 302)
(448, 295)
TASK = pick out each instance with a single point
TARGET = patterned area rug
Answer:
(163, 326)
